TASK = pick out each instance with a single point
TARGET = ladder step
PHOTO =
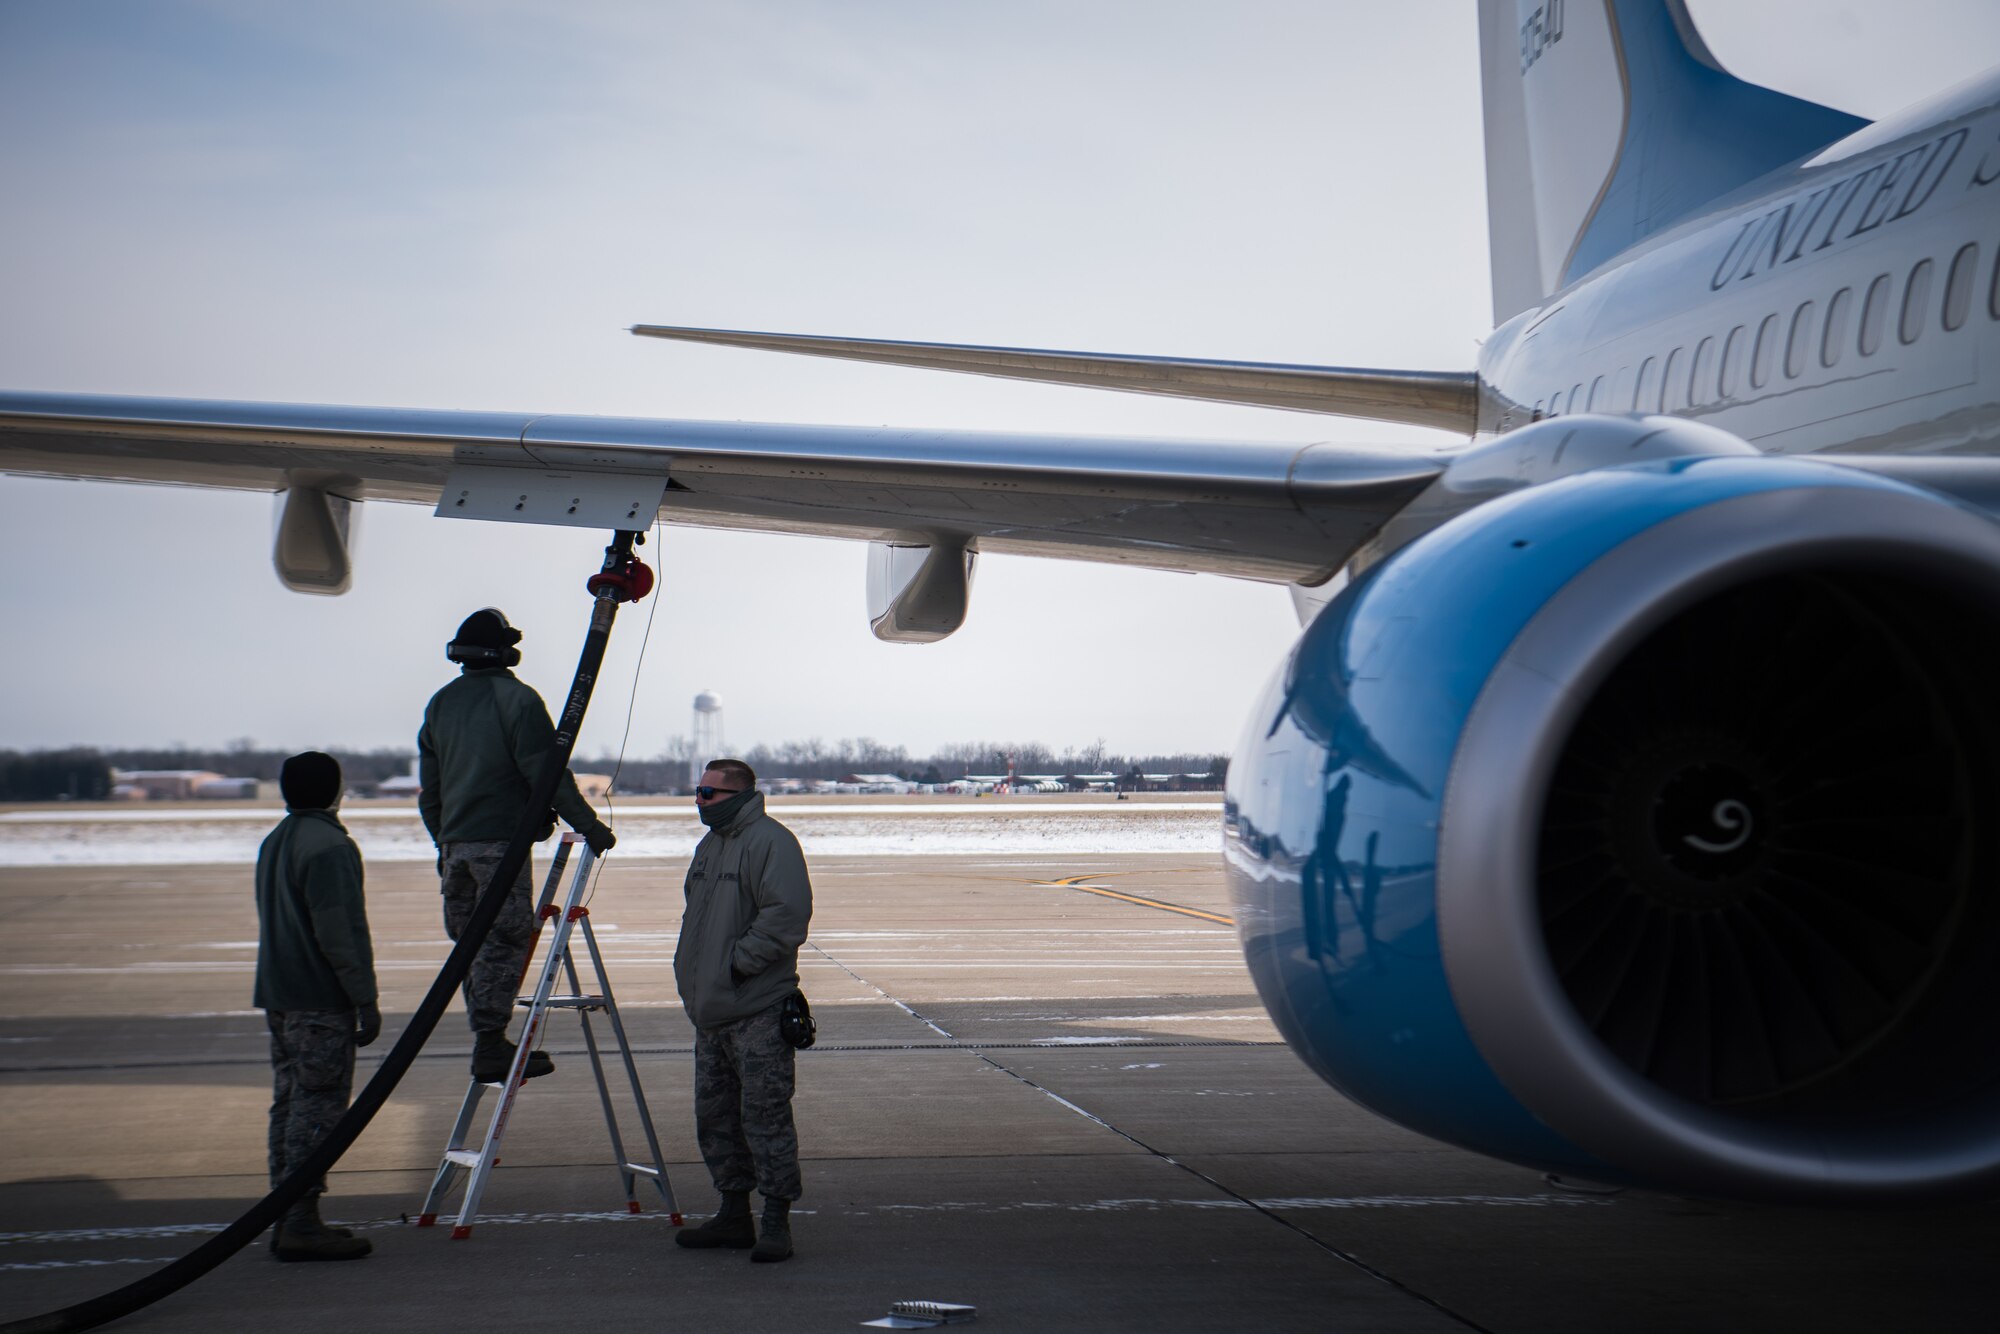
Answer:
(483, 1160)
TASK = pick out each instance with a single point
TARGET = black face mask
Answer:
(719, 813)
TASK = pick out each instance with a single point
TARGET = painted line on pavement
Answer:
(1076, 882)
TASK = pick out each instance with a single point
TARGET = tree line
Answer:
(82, 773)
(816, 759)
(85, 774)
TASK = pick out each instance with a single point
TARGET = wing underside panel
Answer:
(1257, 510)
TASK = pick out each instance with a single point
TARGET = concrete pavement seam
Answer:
(1345, 1257)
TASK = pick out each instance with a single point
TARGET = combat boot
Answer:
(493, 1057)
(278, 1232)
(774, 1242)
(731, 1226)
(302, 1236)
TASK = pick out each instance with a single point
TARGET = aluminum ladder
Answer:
(459, 1157)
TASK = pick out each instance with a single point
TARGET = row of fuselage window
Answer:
(1785, 346)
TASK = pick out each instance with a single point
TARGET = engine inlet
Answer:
(1758, 845)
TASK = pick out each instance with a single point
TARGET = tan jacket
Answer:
(749, 902)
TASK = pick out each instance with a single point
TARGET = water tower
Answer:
(707, 733)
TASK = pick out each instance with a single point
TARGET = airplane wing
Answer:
(1443, 399)
(1267, 511)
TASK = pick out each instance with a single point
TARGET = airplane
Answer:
(1620, 810)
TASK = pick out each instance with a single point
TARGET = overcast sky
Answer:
(463, 205)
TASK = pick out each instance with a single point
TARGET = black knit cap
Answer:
(310, 781)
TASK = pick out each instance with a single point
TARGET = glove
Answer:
(601, 839)
(367, 1023)
(440, 863)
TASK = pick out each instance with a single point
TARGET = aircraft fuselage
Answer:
(1849, 303)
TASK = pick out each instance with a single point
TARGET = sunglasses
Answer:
(707, 793)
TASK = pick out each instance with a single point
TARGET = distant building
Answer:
(859, 783)
(1171, 783)
(402, 785)
(967, 787)
(227, 789)
(161, 784)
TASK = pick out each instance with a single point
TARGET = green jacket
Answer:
(749, 901)
(478, 752)
(313, 951)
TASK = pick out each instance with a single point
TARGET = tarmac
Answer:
(1058, 1102)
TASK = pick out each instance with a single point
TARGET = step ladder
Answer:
(460, 1154)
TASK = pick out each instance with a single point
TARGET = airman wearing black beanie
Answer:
(316, 986)
(310, 781)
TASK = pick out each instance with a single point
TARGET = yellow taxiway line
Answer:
(1076, 882)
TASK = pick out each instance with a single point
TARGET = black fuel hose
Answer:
(199, 1261)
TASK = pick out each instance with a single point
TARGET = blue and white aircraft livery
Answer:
(1627, 805)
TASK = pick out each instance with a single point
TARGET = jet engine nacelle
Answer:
(1641, 825)
(918, 594)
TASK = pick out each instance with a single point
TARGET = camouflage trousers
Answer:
(495, 979)
(743, 1106)
(312, 1072)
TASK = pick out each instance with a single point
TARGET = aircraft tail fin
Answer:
(1608, 120)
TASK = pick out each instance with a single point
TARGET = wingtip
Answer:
(694, 333)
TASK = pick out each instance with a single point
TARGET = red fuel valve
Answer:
(629, 582)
